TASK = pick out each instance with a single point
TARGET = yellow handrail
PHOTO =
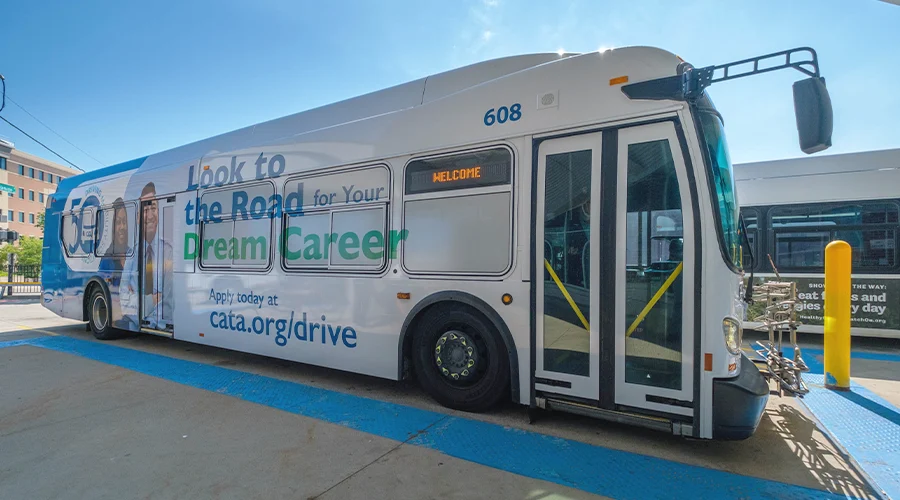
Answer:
(659, 293)
(568, 297)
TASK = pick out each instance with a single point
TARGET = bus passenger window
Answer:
(457, 215)
(802, 232)
(236, 226)
(338, 221)
(78, 232)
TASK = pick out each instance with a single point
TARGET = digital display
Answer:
(483, 168)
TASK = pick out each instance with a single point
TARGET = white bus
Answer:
(793, 208)
(558, 230)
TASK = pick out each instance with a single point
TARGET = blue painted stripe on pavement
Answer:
(13, 343)
(872, 356)
(603, 471)
(815, 358)
(867, 426)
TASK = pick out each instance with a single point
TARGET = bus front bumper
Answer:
(739, 402)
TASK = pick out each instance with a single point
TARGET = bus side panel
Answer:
(347, 323)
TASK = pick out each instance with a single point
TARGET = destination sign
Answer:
(470, 170)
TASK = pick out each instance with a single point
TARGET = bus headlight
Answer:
(733, 332)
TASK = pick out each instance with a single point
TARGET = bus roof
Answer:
(640, 62)
(850, 176)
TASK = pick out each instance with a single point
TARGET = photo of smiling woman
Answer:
(112, 263)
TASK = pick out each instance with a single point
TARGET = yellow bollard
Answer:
(837, 315)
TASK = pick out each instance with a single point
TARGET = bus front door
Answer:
(157, 225)
(567, 339)
(613, 271)
(654, 341)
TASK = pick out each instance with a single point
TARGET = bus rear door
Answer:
(156, 240)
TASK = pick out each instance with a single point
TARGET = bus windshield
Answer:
(722, 178)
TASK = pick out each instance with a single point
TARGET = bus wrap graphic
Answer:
(874, 302)
(84, 220)
(349, 245)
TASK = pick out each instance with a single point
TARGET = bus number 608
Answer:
(512, 113)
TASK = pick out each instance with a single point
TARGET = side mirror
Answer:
(812, 107)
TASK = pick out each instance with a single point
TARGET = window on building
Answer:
(40, 175)
(50, 178)
(460, 189)
(31, 172)
(2, 163)
(236, 227)
(41, 197)
(58, 178)
(30, 195)
(802, 232)
(21, 216)
(31, 218)
(22, 193)
(338, 222)
(21, 169)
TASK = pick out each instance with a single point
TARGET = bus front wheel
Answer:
(100, 315)
(460, 360)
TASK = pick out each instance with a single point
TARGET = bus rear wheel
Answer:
(100, 315)
(460, 359)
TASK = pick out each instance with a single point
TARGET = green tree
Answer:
(5, 250)
(30, 249)
(40, 221)
(28, 255)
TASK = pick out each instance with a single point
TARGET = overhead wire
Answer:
(10, 99)
(13, 125)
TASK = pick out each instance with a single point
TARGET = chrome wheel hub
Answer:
(456, 356)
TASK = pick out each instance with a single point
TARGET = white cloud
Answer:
(487, 35)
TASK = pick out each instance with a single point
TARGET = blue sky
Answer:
(126, 79)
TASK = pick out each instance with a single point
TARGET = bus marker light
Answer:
(202, 335)
(403, 295)
(506, 298)
(205, 167)
(618, 80)
(707, 361)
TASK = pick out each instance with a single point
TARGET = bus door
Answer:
(613, 284)
(654, 295)
(567, 341)
(156, 239)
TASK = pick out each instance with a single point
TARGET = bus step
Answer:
(655, 423)
(160, 333)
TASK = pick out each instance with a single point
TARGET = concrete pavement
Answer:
(72, 427)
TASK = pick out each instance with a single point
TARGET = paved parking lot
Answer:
(149, 417)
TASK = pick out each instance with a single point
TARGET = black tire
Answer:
(100, 315)
(487, 381)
